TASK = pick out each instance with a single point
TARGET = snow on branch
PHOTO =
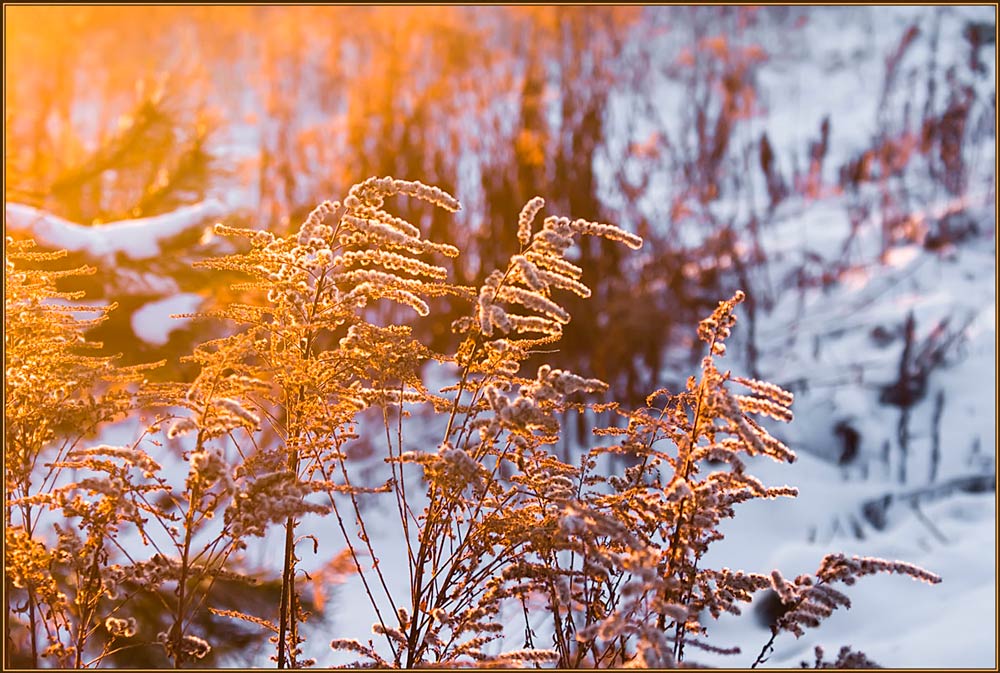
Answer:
(136, 239)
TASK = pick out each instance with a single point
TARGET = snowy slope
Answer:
(839, 346)
(135, 239)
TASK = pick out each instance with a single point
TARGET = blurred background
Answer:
(836, 163)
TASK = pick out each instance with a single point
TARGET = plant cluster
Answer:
(604, 565)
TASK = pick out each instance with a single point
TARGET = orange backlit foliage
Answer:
(126, 112)
(330, 87)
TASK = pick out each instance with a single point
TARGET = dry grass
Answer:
(610, 560)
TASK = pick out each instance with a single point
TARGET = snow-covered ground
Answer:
(897, 622)
(830, 344)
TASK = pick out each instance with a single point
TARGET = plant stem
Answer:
(761, 658)
(32, 626)
(675, 538)
(177, 633)
(287, 587)
(286, 612)
(88, 604)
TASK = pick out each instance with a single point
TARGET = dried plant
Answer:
(605, 567)
(56, 394)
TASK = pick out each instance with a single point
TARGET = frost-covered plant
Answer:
(612, 559)
(324, 363)
(55, 394)
(846, 658)
(605, 566)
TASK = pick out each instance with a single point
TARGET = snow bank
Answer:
(152, 323)
(136, 239)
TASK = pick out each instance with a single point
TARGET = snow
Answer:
(823, 336)
(894, 620)
(137, 239)
(133, 282)
(153, 322)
